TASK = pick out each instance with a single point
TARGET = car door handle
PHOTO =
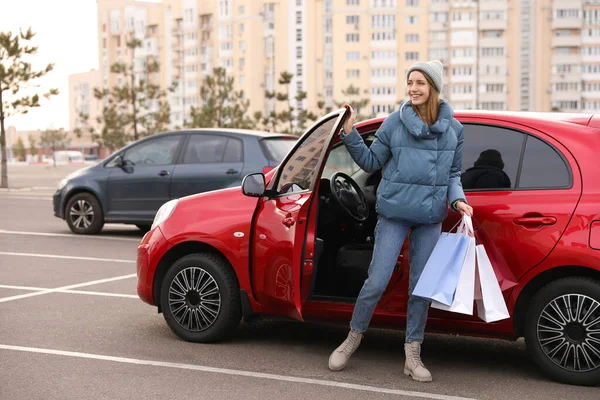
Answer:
(288, 221)
(535, 221)
(164, 173)
(232, 171)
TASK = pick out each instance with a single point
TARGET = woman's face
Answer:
(418, 88)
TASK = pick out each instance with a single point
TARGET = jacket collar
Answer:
(418, 128)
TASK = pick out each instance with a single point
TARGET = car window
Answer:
(275, 149)
(491, 157)
(234, 151)
(299, 172)
(543, 167)
(202, 149)
(160, 151)
(340, 160)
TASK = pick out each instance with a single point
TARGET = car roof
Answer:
(248, 132)
(521, 117)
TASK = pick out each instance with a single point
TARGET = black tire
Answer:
(86, 224)
(200, 329)
(574, 331)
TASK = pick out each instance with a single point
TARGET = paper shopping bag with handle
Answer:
(491, 307)
(465, 288)
(441, 273)
(504, 275)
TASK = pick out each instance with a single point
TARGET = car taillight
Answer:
(267, 170)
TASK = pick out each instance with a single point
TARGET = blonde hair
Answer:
(432, 107)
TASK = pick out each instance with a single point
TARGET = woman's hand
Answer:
(349, 124)
(464, 208)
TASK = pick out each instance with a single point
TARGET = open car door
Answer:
(281, 256)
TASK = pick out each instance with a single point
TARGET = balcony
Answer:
(567, 23)
(492, 96)
(463, 60)
(565, 77)
(463, 24)
(590, 58)
(566, 58)
(384, 44)
(438, 26)
(590, 39)
(491, 78)
(566, 41)
(464, 3)
(493, 24)
(470, 97)
(566, 96)
(462, 79)
(492, 42)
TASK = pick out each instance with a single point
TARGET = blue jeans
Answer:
(389, 238)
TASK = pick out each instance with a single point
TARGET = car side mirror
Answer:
(254, 185)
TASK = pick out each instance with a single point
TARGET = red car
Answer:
(297, 241)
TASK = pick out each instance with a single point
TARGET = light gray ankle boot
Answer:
(414, 366)
(340, 356)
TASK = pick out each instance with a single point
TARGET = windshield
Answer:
(275, 149)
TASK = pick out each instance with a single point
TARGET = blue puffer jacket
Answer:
(421, 165)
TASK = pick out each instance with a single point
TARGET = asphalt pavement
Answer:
(72, 327)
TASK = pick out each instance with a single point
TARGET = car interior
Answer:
(346, 220)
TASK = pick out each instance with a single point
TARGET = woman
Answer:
(419, 148)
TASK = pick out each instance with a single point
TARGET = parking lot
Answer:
(72, 327)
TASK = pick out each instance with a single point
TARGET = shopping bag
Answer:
(441, 272)
(465, 288)
(491, 306)
(504, 275)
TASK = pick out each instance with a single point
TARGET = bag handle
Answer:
(466, 226)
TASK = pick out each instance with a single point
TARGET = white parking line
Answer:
(16, 197)
(77, 285)
(95, 237)
(235, 372)
(114, 260)
(38, 289)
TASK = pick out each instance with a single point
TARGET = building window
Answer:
(352, 73)
(299, 52)
(411, 55)
(412, 20)
(353, 2)
(298, 69)
(298, 35)
(298, 17)
(352, 37)
(411, 38)
(352, 56)
(352, 19)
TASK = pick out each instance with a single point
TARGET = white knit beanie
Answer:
(433, 69)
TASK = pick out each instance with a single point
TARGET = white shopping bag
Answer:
(465, 289)
(491, 306)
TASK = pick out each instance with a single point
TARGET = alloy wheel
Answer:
(568, 330)
(194, 299)
(81, 214)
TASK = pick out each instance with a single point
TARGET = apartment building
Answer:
(498, 54)
(82, 100)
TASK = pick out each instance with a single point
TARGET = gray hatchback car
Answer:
(130, 185)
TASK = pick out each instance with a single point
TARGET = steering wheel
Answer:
(350, 197)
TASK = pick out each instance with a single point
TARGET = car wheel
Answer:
(562, 330)
(200, 298)
(84, 214)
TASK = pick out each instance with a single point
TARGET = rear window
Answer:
(276, 148)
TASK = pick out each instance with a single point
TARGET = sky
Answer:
(66, 33)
